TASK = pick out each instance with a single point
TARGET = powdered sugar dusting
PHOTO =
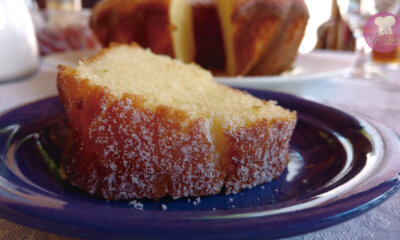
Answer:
(126, 150)
(197, 201)
(252, 166)
(136, 204)
(147, 153)
(164, 207)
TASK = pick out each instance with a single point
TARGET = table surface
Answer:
(354, 95)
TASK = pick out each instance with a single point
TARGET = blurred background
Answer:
(326, 28)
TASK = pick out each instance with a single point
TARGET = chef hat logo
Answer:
(385, 24)
(382, 32)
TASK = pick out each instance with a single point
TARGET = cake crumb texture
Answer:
(147, 126)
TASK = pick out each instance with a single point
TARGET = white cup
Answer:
(19, 55)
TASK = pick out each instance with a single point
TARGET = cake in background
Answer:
(238, 37)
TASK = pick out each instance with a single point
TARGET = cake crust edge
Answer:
(104, 163)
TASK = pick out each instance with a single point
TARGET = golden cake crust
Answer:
(123, 149)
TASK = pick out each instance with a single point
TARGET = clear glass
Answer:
(356, 14)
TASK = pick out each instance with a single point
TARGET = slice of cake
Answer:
(147, 126)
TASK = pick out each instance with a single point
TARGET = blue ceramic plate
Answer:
(341, 166)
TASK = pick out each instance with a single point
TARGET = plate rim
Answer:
(273, 80)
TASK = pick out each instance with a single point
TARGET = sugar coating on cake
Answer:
(147, 126)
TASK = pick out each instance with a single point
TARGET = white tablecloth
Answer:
(382, 105)
(383, 222)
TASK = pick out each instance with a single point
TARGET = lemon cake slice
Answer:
(147, 126)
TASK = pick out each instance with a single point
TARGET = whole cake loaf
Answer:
(148, 126)
(228, 37)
